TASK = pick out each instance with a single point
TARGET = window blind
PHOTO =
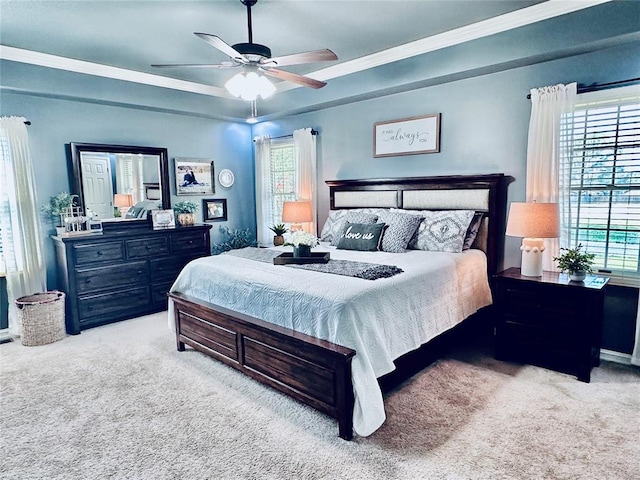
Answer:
(283, 176)
(602, 175)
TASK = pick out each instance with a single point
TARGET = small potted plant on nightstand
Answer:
(186, 212)
(575, 262)
(279, 229)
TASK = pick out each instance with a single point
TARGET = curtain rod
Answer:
(27, 122)
(601, 86)
(313, 132)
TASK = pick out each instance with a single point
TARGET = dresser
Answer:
(124, 272)
(549, 320)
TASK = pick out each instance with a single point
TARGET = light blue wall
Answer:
(484, 125)
(55, 123)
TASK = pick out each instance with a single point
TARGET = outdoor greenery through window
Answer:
(283, 175)
(602, 139)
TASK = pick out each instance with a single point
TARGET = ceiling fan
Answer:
(254, 58)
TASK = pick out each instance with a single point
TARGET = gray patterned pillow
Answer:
(353, 216)
(442, 231)
(401, 227)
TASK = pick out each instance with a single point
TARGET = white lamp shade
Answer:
(533, 220)
(297, 212)
(249, 86)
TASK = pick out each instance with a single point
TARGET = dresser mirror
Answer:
(120, 182)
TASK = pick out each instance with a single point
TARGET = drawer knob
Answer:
(98, 253)
(148, 247)
(190, 242)
(88, 280)
(139, 272)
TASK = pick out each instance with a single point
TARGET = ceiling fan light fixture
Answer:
(250, 86)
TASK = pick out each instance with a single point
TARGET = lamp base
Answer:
(295, 227)
(531, 249)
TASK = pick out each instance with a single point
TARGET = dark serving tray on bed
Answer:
(288, 258)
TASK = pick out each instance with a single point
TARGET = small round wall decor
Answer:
(226, 178)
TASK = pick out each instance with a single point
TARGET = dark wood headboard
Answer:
(484, 193)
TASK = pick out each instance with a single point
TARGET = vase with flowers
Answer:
(302, 243)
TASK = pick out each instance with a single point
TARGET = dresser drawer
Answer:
(113, 276)
(119, 303)
(147, 247)
(99, 252)
(159, 292)
(167, 269)
(195, 242)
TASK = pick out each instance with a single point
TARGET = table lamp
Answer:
(296, 213)
(123, 201)
(534, 222)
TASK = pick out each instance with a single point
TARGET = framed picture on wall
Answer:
(407, 136)
(194, 176)
(215, 210)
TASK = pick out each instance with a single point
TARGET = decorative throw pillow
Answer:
(400, 228)
(361, 236)
(354, 216)
(442, 231)
(472, 231)
(333, 225)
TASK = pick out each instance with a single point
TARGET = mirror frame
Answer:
(76, 170)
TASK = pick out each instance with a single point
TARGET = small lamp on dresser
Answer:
(296, 213)
(123, 201)
(534, 222)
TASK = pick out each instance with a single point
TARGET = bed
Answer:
(324, 339)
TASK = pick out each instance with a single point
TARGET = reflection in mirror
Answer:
(116, 182)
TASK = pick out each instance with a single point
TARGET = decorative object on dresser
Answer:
(194, 176)
(534, 222)
(56, 208)
(125, 272)
(186, 212)
(215, 210)
(163, 219)
(296, 213)
(279, 229)
(407, 136)
(574, 262)
(549, 320)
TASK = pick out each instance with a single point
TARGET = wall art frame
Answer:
(407, 136)
(214, 210)
(194, 176)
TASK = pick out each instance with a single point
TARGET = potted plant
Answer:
(279, 229)
(186, 212)
(302, 243)
(575, 262)
(57, 208)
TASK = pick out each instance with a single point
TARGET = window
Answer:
(283, 176)
(602, 178)
(5, 170)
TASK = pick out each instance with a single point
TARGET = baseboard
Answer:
(613, 356)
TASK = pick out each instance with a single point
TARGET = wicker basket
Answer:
(42, 318)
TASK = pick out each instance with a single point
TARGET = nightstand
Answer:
(549, 321)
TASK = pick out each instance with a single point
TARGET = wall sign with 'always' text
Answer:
(407, 136)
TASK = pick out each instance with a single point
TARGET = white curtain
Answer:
(545, 153)
(264, 190)
(304, 143)
(22, 236)
(635, 356)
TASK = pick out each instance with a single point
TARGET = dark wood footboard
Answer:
(315, 372)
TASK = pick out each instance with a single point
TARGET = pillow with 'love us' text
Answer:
(360, 236)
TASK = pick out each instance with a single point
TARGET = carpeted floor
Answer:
(120, 402)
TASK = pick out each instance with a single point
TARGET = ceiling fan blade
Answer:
(220, 44)
(197, 65)
(325, 55)
(293, 77)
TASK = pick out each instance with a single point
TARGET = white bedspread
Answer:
(380, 319)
